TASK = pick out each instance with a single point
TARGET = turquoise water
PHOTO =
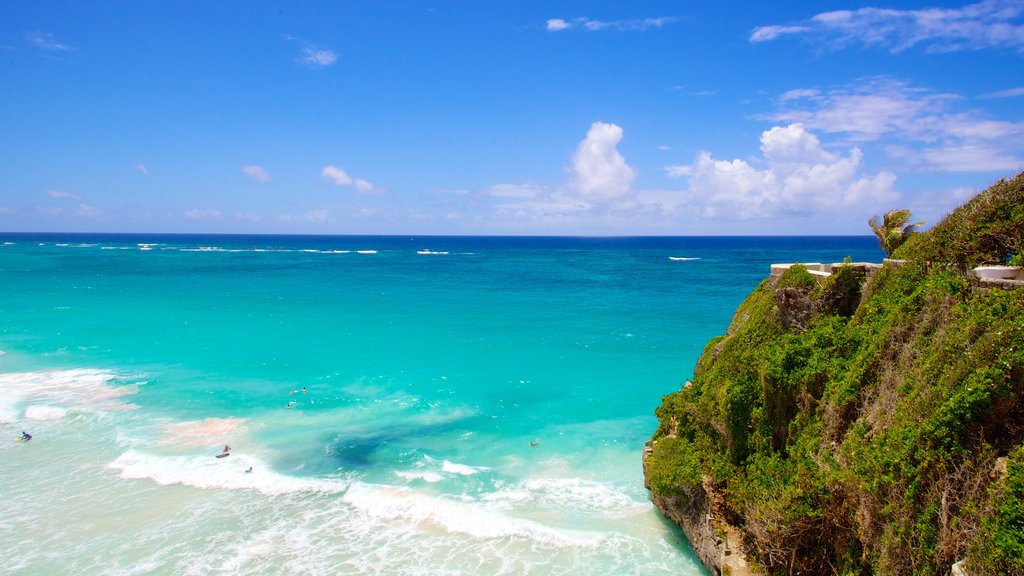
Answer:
(471, 405)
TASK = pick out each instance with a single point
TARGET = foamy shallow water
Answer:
(101, 489)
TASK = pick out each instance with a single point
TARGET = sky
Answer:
(526, 117)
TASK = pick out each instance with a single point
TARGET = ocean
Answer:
(406, 405)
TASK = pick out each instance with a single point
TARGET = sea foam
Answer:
(472, 518)
(44, 395)
(206, 471)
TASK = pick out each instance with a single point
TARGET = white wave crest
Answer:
(42, 393)
(682, 259)
(473, 518)
(45, 412)
(206, 471)
(575, 494)
(424, 475)
(462, 469)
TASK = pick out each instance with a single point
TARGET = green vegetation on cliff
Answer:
(868, 423)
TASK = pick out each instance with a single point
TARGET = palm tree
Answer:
(893, 230)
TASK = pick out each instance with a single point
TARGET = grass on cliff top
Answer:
(987, 229)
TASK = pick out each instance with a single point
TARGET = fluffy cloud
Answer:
(600, 173)
(556, 24)
(800, 178)
(795, 176)
(987, 24)
(925, 130)
(141, 169)
(341, 178)
(257, 173)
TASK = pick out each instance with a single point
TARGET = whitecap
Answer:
(84, 390)
(466, 517)
(462, 469)
(424, 475)
(207, 472)
(45, 412)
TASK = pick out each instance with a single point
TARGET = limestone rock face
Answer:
(796, 309)
(692, 512)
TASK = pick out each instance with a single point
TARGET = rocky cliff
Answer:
(870, 421)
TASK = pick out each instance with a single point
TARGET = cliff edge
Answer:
(867, 420)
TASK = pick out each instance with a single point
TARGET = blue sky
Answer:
(525, 117)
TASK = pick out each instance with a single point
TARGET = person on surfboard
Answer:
(25, 436)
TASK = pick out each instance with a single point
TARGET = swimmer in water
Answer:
(249, 471)
(25, 436)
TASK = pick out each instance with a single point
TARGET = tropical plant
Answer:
(893, 230)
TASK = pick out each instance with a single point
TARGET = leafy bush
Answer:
(865, 441)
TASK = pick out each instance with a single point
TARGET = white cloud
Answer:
(800, 178)
(341, 178)
(987, 24)
(600, 171)
(765, 33)
(795, 177)
(1008, 93)
(257, 173)
(363, 186)
(337, 175)
(203, 214)
(6, 210)
(923, 128)
(45, 41)
(59, 194)
(141, 169)
(315, 56)
(798, 93)
(556, 24)
(635, 25)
